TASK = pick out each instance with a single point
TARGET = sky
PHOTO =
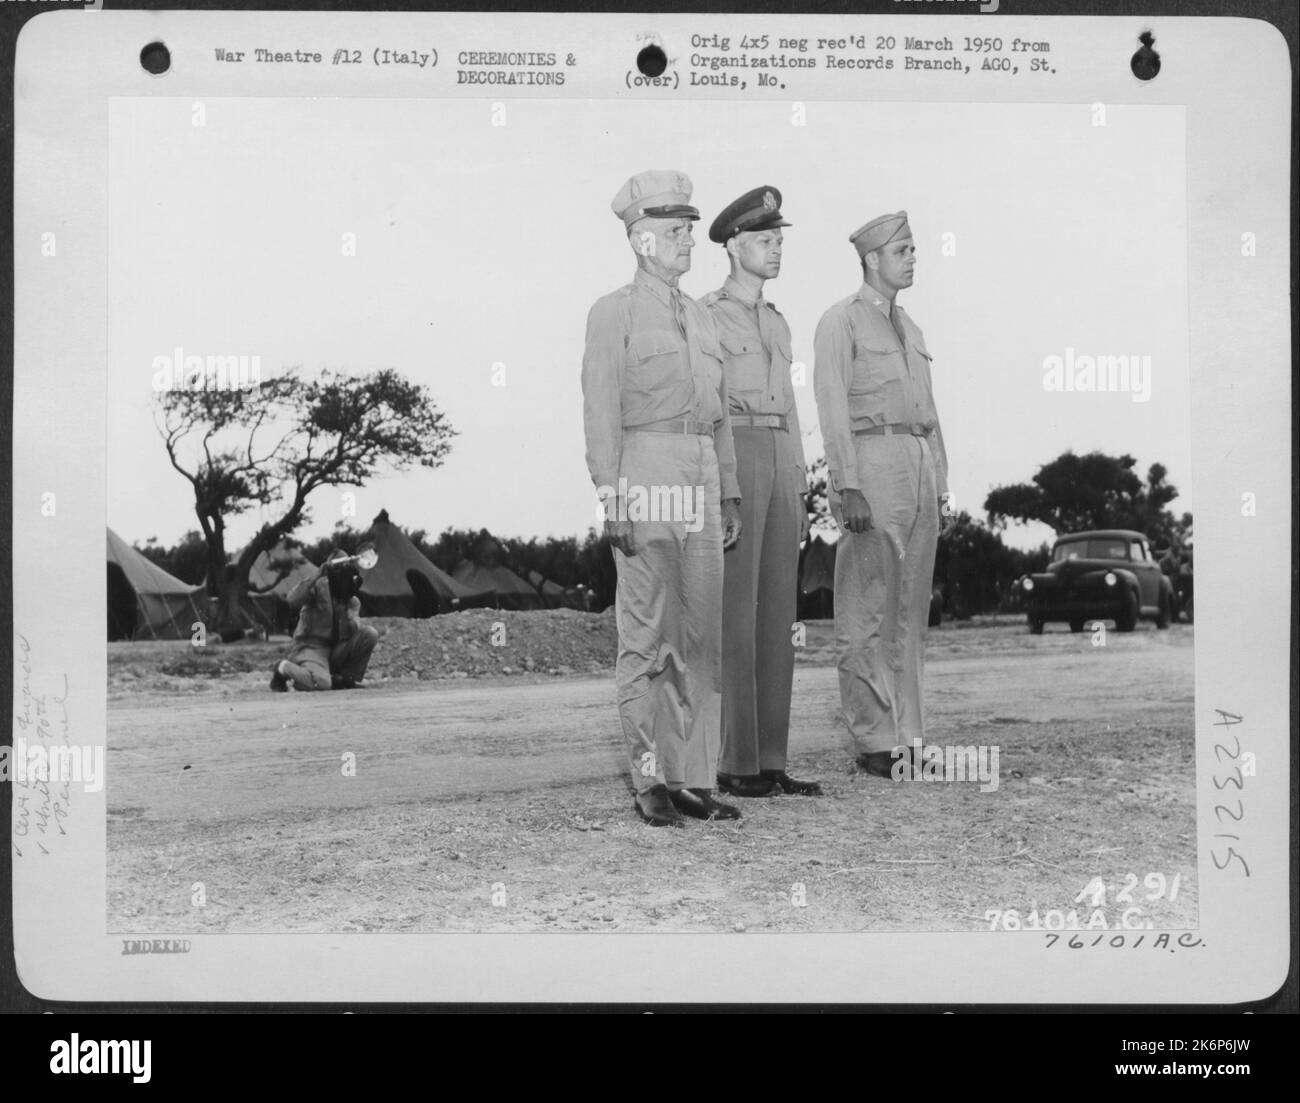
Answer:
(479, 249)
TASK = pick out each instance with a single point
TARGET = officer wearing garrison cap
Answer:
(760, 574)
(659, 449)
(888, 491)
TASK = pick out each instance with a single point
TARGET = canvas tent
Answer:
(404, 583)
(144, 601)
(554, 595)
(817, 580)
(511, 591)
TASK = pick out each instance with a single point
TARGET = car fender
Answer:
(1127, 577)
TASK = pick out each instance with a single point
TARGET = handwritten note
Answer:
(42, 737)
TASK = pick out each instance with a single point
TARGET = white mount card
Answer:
(291, 283)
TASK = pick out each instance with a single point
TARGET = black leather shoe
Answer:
(699, 804)
(792, 786)
(748, 785)
(279, 683)
(339, 681)
(881, 764)
(917, 758)
(656, 808)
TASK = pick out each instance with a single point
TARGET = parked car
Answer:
(1104, 575)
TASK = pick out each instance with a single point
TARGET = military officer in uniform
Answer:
(888, 474)
(660, 452)
(760, 573)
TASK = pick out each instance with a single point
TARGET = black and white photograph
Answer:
(988, 674)
(758, 493)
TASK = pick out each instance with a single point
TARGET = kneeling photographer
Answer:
(331, 647)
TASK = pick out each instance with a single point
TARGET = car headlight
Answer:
(1111, 579)
(1028, 584)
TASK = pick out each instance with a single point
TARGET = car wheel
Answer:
(1076, 624)
(1165, 615)
(1035, 624)
(1127, 619)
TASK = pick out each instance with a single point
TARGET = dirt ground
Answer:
(498, 802)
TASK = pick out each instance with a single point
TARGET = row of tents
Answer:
(145, 602)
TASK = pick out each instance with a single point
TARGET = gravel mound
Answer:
(481, 642)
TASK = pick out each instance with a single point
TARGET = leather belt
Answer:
(677, 425)
(914, 429)
(760, 421)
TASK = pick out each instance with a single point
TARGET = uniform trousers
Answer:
(308, 664)
(759, 604)
(669, 612)
(311, 662)
(349, 657)
(883, 580)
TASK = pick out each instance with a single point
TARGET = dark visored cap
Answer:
(759, 209)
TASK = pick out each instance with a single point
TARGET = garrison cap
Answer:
(879, 232)
(655, 193)
(759, 209)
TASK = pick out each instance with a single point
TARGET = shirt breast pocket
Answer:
(746, 364)
(878, 389)
(654, 363)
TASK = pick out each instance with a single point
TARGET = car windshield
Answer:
(1090, 549)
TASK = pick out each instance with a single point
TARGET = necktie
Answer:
(679, 312)
(897, 323)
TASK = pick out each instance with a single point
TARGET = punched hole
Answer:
(651, 61)
(156, 58)
(1146, 62)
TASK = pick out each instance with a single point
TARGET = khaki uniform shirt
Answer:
(640, 367)
(755, 341)
(863, 376)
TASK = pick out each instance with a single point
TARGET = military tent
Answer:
(817, 580)
(511, 591)
(144, 601)
(554, 595)
(404, 583)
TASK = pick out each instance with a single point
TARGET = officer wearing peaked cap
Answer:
(888, 473)
(760, 575)
(660, 451)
